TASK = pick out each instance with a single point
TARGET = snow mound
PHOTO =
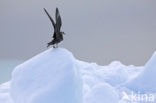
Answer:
(101, 93)
(146, 81)
(49, 77)
(55, 76)
(4, 93)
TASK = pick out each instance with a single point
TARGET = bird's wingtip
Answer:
(44, 9)
(56, 8)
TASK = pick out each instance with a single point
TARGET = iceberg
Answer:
(146, 81)
(56, 76)
(51, 76)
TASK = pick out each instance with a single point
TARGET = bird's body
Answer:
(57, 35)
(57, 38)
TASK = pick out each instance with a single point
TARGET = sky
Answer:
(98, 31)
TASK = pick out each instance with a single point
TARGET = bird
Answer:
(58, 34)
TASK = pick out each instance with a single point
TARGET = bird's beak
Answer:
(64, 33)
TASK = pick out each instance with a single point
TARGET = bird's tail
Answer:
(50, 43)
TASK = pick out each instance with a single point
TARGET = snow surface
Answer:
(55, 76)
(146, 81)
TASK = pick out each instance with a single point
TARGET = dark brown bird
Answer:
(57, 35)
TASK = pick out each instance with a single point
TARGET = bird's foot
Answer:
(54, 46)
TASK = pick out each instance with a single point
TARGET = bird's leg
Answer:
(53, 45)
(57, 45)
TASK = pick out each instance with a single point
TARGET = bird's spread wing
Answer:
(58, 21)
(52, 21)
